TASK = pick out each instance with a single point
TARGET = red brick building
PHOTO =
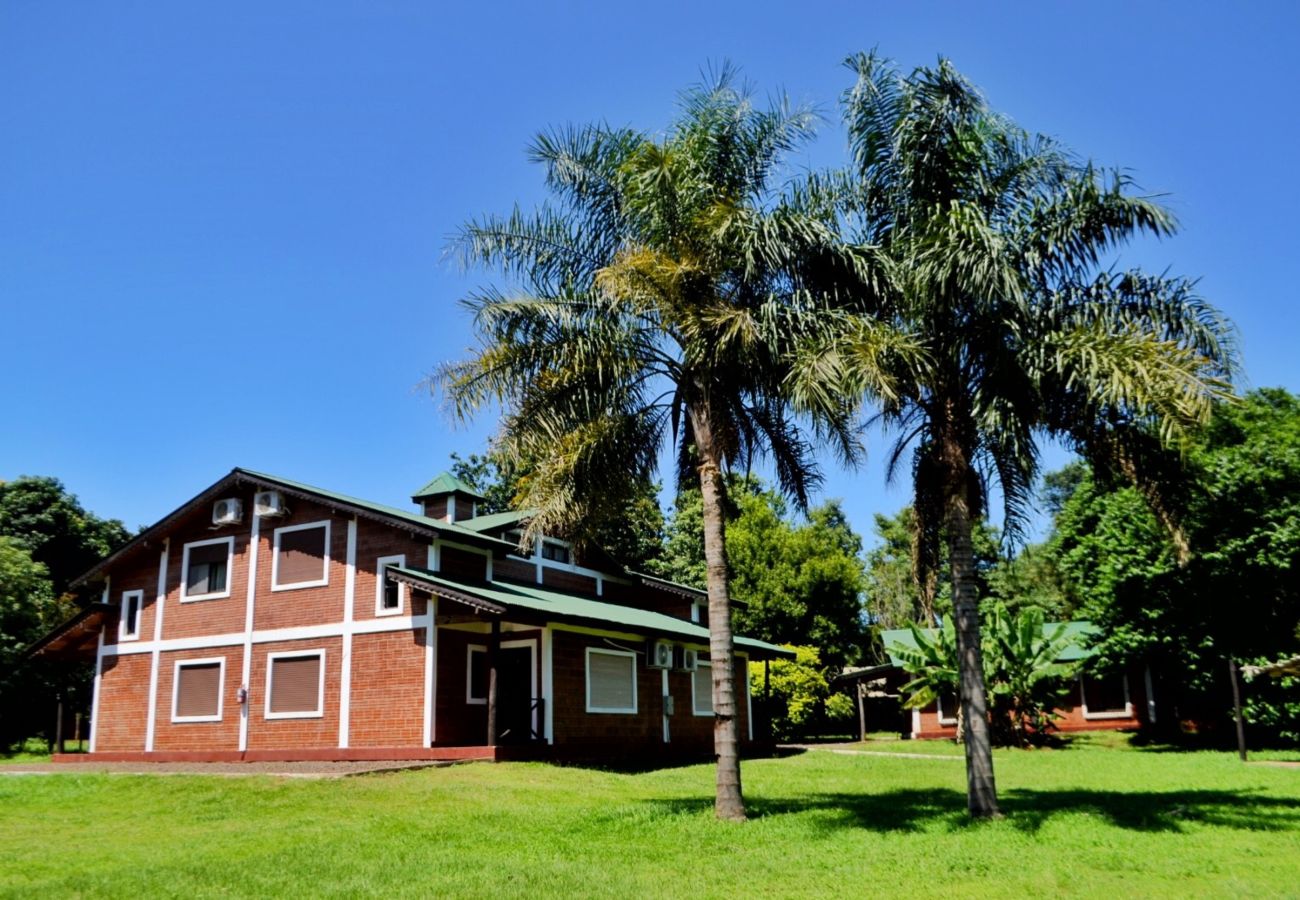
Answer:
(268, 619)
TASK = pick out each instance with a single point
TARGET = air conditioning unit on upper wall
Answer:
(228, 512)
(269, 503)
(659, 655)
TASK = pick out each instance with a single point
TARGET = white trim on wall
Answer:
(398, 559)
(229, 541)
(587, 680)
(275, 557)
(349, 612)
(151, 717)
(221, 687)
(99, 673)
(430, 672)
(319, 711)
(250, 603)
(548, 683)
(129, 597)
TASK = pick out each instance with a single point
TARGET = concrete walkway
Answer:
(234, 770)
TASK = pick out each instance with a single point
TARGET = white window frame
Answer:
(221, 687)
(127, 597)
(1125, 713)
(319, 712)
(470, 699)
(229, 541)
(586, 674)
(938, 708)
(695, 706)
(398, 559)
(275, 557)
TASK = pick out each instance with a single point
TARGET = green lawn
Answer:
(1089, 820)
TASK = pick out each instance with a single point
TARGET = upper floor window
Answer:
(205, 568)
(390, 596)
(301, 556)
(128, 628)
(556, 552)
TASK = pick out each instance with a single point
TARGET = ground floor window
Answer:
(611, 681)
(476, 675)
(702, 689)
(295, 684)
(196, 690)
(1104, 696)
(947, 706)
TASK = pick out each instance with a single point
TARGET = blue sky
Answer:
(221, 225)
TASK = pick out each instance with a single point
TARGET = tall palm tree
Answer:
(988, 242)
(656, 301)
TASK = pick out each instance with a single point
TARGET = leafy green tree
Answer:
(27, 602)
(801, 702)
(985, 246)
(655, 304)
(795, 581)
(1237, 596)
(59, 533)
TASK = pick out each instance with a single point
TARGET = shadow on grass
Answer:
(1025, 810)
(637, 765)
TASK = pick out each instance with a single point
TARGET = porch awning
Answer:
(75, 639)
(535, 604)
(1278, 669)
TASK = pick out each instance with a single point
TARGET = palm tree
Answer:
(987, 243)
(656, 302)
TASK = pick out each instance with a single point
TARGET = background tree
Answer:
(797, 579)
(987, 241)
(654, 305)
(801, 701)
(1236, 596)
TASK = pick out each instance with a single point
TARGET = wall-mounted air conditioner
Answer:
(659, 655)
(690, 660)
(269, 503)
(228, 512)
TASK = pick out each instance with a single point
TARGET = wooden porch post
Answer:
(1236, 709)
(58, 725)
(862, 713)
(767, 698)
(494, 644)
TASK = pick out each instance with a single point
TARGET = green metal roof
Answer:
(564, 606)
(451, 529)
(493, 521)
(1078, 632)
(447, 483)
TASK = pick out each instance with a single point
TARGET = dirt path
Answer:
(851, 750)
(274, 769)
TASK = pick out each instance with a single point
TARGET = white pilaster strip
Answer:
(430, 673)
(253, 542)
(94, 701)
(349, 604)
(151, 721)
(548, 686)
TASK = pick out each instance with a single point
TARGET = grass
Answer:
(1090, 820)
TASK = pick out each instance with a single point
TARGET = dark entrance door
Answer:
(515, 694)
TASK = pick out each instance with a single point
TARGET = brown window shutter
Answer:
(295, 684)
(198, 689)
(611, 677)
(302, 556)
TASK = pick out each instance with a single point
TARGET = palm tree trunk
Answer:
(729, 804)
(981, 792)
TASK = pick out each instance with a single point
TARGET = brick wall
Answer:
(169, 735)
(387, 708)
(264, 733)
(123, 703)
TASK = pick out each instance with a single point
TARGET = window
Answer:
(702, 689)
(196, 689)
(947, 700)
(611, 681)
(295, 684)
(1105, 697)
(390, 596)
(128, 628)
(205, 569)
(476, 675)
(302, 557)
(555, 552)
(700, 612)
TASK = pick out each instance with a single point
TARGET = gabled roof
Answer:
(446, 483)
(552, 605)
(1080, 634)
(388, 514)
